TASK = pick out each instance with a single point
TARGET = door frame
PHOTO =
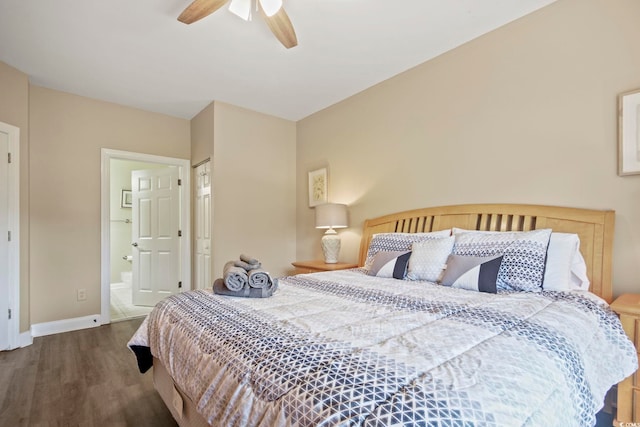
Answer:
(13, 273)
(184, 173)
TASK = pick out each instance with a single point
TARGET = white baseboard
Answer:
(25, 339)
(65, 325)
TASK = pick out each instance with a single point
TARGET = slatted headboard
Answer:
(595, 228)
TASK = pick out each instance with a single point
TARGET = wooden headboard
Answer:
(595, 228)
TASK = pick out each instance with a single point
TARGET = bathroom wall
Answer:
(120, 179)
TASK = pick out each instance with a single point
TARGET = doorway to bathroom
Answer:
(123, 306)
(145, 204)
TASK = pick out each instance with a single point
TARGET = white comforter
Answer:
(344, 348)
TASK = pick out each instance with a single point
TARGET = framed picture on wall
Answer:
(629, 133)
(125, 199)
(317, 187)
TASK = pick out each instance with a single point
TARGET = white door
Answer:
(203, 226)
(155, 235)
(4, 241)
(9, 236)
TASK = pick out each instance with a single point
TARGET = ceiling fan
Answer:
(271, 10)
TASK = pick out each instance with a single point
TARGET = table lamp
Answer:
(330, 216)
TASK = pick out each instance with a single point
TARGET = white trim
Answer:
(25, 339)
(184, 173)
(13, 273)
(65, 325)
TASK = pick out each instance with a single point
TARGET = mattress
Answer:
(344, 348)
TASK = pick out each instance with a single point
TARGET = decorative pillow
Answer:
(472, 273)
(429, 258)
(398, 242)
(390, 264)
(525, 252)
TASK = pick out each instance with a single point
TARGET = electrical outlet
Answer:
(82, 294)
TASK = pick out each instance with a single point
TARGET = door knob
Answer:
(134, 244)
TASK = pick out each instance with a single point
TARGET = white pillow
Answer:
(560, 253)
(579, 278)
(566, 269)
(429, 258)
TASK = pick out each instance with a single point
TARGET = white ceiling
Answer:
(136, 53)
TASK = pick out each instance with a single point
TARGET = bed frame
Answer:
(595, 228)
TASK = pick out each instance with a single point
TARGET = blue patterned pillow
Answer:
(472, 273)
(398, 242)
(525, 254)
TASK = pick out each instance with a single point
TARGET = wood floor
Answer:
(85, 378)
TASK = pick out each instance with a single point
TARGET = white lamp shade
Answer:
(331, 215)
(271, 7)
(242, 8)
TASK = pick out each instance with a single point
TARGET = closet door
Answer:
(4, 241)
(9, 236)
(203, 226)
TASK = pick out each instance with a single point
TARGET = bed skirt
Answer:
(182, 408)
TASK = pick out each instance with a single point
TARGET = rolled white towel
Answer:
(246, 266)
(249, 259)
(260, 279)
(248, 292)
(235, 278)
(248, 262)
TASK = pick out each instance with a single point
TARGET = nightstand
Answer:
(315, 266)
(628, 308)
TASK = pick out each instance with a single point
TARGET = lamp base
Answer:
(330, 246)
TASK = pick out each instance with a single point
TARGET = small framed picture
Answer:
(317, 187)
(629, 133)
(125, 199)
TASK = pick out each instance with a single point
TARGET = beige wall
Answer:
(525, 114)
(254, 189)
(202, 135)
(67, 134)
(14, 110)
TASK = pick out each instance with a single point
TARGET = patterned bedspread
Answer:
(343, 348)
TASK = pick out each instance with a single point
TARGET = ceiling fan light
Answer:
(241, 8)
(271, 7)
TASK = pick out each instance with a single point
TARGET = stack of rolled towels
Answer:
(245, 278)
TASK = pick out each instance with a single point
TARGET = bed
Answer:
(356, 348)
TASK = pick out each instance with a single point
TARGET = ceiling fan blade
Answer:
(281, 27)
(199, 9)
